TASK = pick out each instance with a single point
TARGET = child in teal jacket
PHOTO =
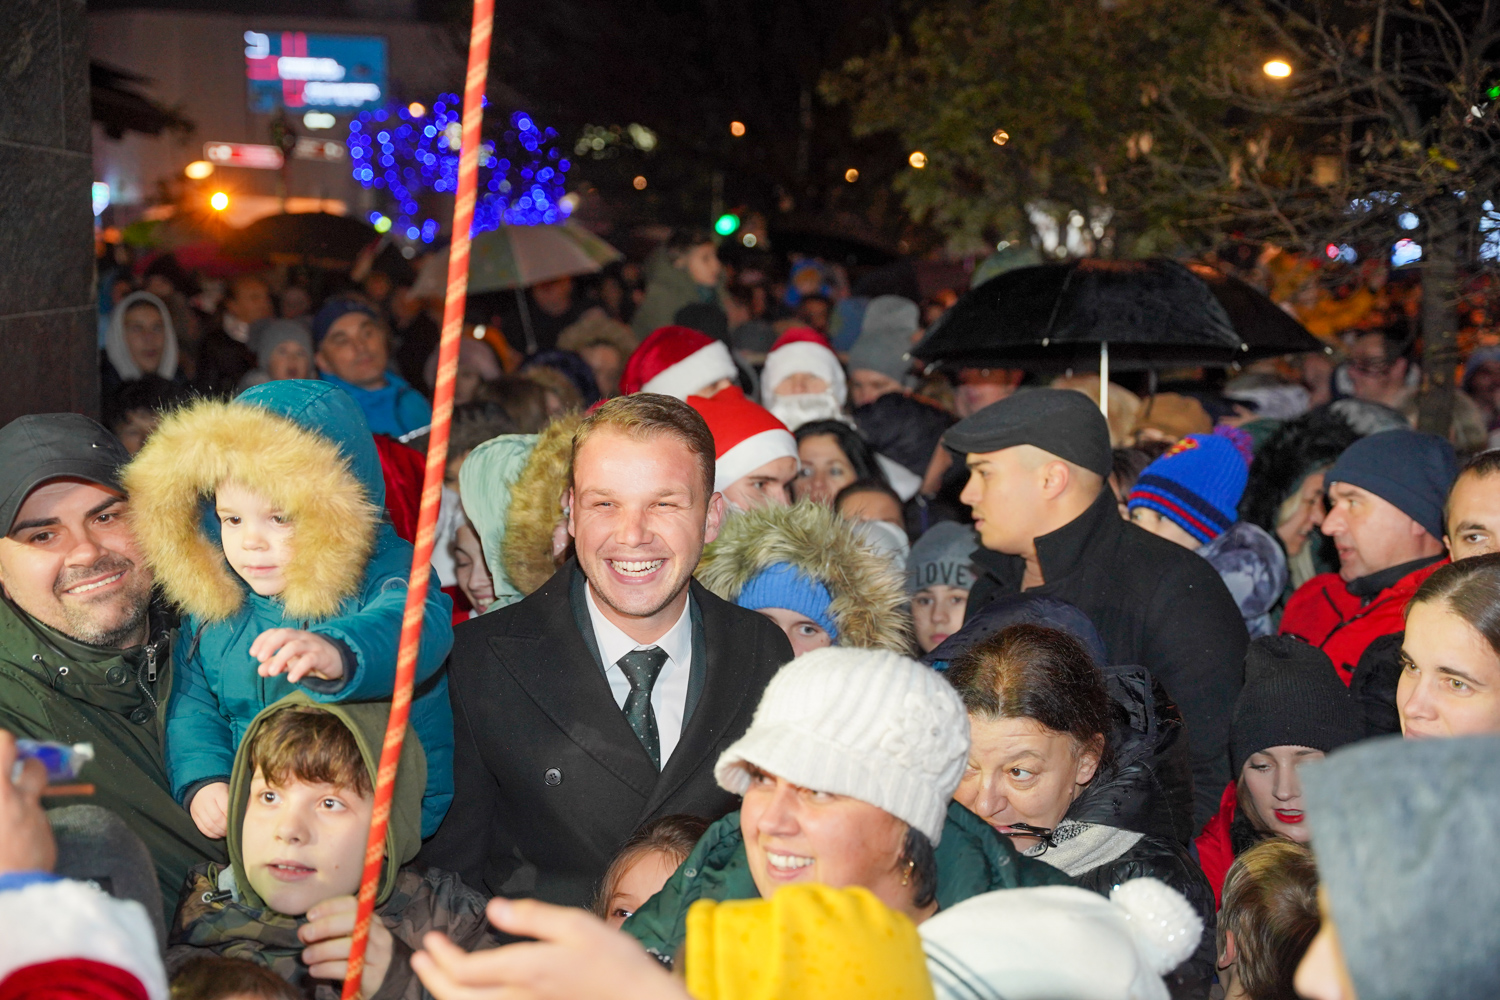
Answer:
(263, 520)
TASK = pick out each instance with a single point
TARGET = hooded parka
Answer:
(304, 445)
(221, 914)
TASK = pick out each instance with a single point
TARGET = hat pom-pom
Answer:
(1165, 925)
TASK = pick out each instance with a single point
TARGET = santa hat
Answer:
(802, 349)
(676, 361)
(746, 436)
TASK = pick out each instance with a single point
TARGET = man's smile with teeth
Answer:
(96, 584)
(641, 567)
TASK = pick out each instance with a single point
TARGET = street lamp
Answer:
(219, 201)
(851, 175)
(1279, 69)
(198, 170)
(917, 159)
(736, 129)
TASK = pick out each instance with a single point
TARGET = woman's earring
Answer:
(911, 866)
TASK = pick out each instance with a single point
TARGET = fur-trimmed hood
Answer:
(303, 444)
(536, 506)
(1299, 448)
(868, 592)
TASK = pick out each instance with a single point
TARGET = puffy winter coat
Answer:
(1325, 614)
(305, 445)
(971, 859)
(1253, 567)
(396, 409)
(1147, 790)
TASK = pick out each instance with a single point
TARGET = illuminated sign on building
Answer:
(301, 72)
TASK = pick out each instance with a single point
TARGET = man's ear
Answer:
(1055, 479)
(715, 518)
(568, 511)
(318, 361)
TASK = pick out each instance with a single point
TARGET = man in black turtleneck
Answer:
(1038, 463)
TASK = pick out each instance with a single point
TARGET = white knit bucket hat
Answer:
(865, 723)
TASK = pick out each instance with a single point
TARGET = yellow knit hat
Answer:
(806, 941)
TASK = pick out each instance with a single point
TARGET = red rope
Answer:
(432, 486)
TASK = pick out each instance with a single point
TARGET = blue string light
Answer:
(521, 175)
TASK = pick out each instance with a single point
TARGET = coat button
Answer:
(553, 776)
(140, 715)
(116, 675)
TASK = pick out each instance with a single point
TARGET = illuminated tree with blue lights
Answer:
(405, 154)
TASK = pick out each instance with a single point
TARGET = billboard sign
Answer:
(307, 72)
(243, 154)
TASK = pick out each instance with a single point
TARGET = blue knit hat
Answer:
(334, 310)
(1196, 485)
(783, 586)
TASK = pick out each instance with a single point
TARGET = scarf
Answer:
(1081, 847)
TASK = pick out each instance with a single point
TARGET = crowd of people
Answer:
(757, 660)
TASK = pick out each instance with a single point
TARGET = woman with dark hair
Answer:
(1450, 655)
(1042, 758)
(833, 455)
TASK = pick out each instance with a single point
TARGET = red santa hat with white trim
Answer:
(677, 361)
(803, 349)
(746, 436)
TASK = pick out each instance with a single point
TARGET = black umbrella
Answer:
(1128, 314)
(315, 237)
(1266, 328)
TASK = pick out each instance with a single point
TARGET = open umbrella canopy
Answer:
(311, 237)
(1266, 328)
(520, 256)
(1151, 313)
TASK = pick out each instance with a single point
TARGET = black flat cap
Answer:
(43, 446)
(1064, 422)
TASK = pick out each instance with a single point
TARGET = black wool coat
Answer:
(549, 779)
(1155, 604)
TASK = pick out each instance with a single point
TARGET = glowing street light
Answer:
(639, 183)
(198, 170)
(1280, 69)
(917, 159)
(851, 175)
(1001, 137)
(736, 129)
(726, 224)
(219, 201)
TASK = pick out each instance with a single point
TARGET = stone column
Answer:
(48, 353)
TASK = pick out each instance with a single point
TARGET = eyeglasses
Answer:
(1371, 366)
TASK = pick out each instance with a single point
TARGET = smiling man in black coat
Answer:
(603, 700)
(1049, 525)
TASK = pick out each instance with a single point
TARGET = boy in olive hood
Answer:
(301, 795)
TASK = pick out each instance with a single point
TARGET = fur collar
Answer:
(868, 592)
(171, 485)
(536, 506)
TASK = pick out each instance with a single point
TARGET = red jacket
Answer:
(1324, 613)
(1215, 849)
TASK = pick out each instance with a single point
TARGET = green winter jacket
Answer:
(971, 859)
(221, 913)
(56, 688)
(668, 289)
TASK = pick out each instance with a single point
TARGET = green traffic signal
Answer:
(727, 223)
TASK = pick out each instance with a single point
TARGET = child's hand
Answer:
(329, 932)
(297, 654)
(210, 810)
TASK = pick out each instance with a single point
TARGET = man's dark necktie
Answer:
(640, 667)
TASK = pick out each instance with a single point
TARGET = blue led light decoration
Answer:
(521, 173)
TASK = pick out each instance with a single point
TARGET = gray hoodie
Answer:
(1405, 834)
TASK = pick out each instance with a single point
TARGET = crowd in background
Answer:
(954, 677)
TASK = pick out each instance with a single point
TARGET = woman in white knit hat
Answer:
(847, 773)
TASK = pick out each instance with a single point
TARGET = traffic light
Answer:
(727, 223)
